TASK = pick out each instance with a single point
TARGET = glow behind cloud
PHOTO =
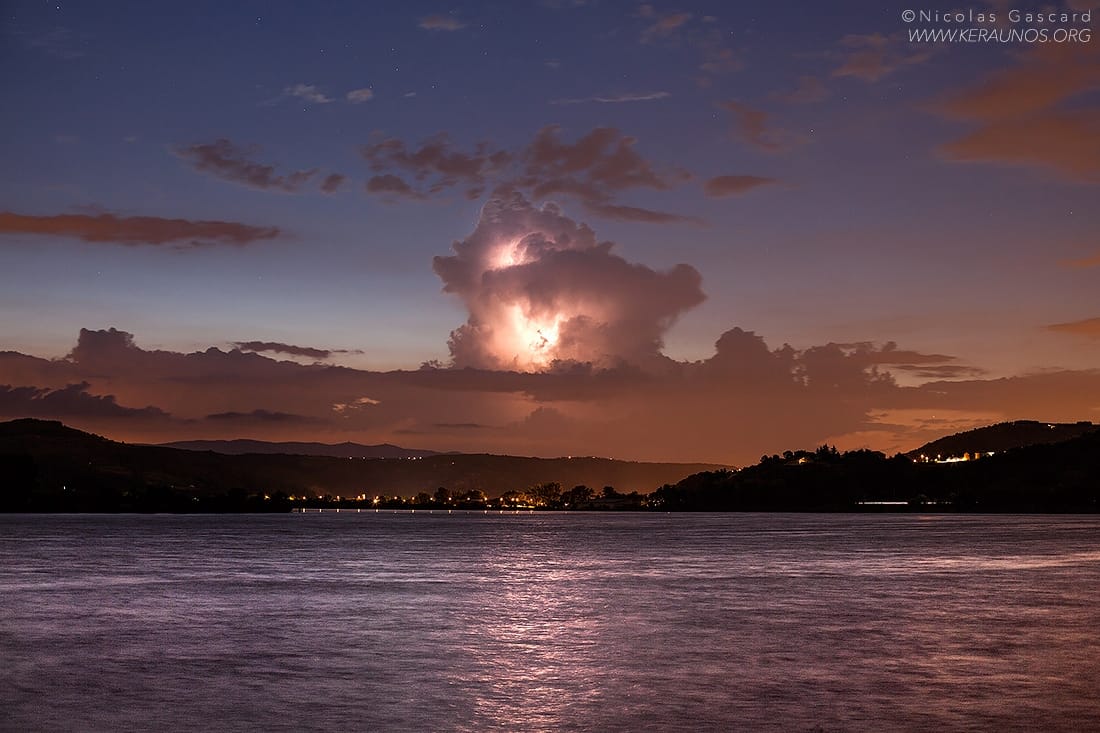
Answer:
(541, 288)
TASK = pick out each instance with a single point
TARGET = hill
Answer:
(46, 466)
(333, 450)
(1049, 477)
(1001, 437)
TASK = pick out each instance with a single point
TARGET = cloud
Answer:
(436, 163)
(135, 230)
(1068, 142)
(307, 93)
(332, 183)
(875, 56)
(940, 371)
(615, 98)
(276, 347)
(810, 89)
(661, 26)
(227, 161)
(734, 185)
(541, 288)
(441, 23)
(594, 170)
(356, 404)
(1084, 262)
(390, 184)
(59, 42)
(358, 96)
(279, 348)
(718, 60)
(260, 415)
(753, 126)
(70, 401)
(745, 399)
(1032, 113)
(1090, 328)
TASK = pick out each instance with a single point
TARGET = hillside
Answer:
(1001, 437)
(1048, 477)
(47, 466)
(333, 450)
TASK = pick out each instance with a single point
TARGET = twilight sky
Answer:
(664, 231)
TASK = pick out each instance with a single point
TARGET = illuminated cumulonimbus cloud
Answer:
(540, 288)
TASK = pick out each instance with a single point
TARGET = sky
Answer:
(653, 231)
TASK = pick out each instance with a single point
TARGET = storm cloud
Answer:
(541, 288)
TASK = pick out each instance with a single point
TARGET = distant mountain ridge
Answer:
(47, 466)
(1001, 437)
(242, 446)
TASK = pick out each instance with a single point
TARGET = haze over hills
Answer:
(54, 462)
(46, 466)
(1001, 437)
(241, 446)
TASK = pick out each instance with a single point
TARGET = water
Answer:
(489, 622)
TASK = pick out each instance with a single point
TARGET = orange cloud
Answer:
(1090, 327)
(1024, 116)
(734, 185)
(1083, 262)
(754, 126)
(134, 230)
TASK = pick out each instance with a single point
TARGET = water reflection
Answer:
(549, 622)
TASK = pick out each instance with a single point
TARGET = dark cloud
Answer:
(635, 213)
(889, 353)
(223, 159)
(615, 98)
(435, 166)
(291, 349)
(604, 157)
(70, 401)
(134, 230)
(734, 185)
(441, 23)
(389, 184)
(539, 287)
(745, 399)
(278, 348)
(269, 416)
(594, 170)
(940, 371)
(332, 183)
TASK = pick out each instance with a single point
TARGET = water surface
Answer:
(514, 622)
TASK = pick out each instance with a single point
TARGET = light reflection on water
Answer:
(549, 622)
